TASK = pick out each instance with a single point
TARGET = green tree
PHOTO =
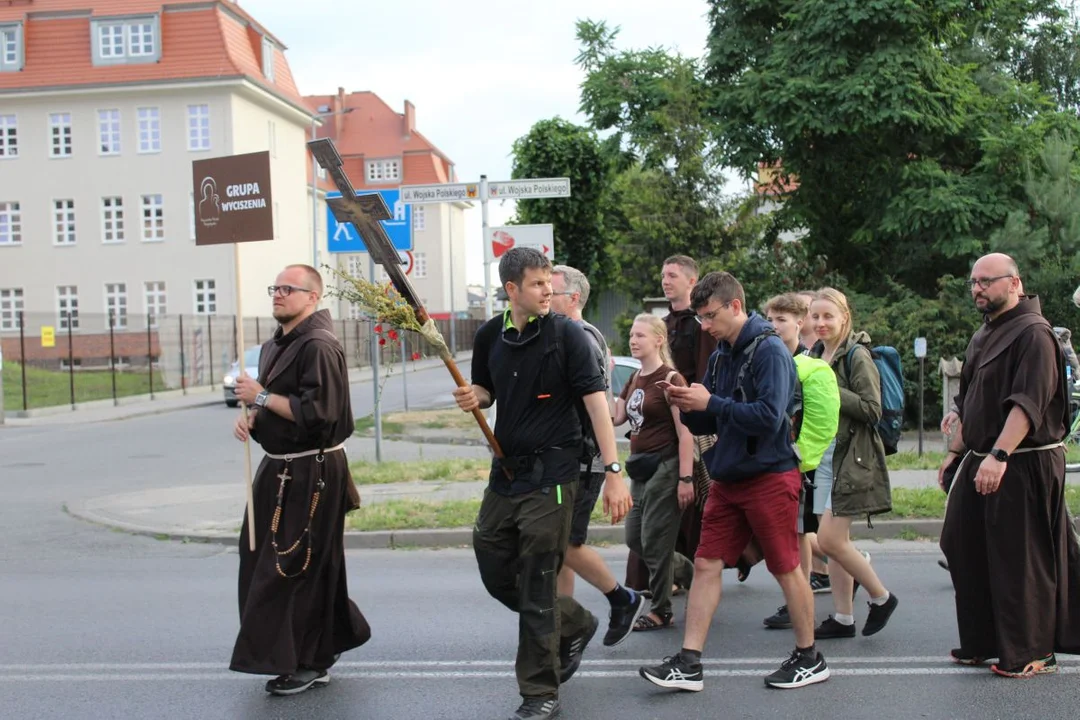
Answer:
(558, 148)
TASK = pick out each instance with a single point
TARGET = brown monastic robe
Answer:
(303, 621)
(1013, 554)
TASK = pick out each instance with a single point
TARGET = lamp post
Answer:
(315, 184)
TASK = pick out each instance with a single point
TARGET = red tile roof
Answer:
(199, 40)
(371, 130)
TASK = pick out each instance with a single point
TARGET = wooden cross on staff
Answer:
(364, 213)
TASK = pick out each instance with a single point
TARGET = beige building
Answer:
(100, 121)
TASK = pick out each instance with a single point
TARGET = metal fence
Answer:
(52, 359)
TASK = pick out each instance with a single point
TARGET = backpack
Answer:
(795, 407)
(887, 361)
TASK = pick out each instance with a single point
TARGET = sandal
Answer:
(646, 623)
(1043, 666)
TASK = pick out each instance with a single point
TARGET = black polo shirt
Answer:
(537, 377)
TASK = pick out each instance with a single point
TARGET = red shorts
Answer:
(765, 507)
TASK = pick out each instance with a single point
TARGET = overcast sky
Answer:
(478, 79)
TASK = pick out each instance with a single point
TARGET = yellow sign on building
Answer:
(48, 336)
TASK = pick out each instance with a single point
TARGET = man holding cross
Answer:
(295, 613)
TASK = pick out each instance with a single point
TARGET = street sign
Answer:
(48, 336)
(539, 237)
(920, 347)
(440, 193)
(345, 239)
(531, 188)
(408, 260)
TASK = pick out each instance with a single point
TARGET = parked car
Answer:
(251, 367)
(622, 367)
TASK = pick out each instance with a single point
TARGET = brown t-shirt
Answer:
(690, 343)
(652, 428)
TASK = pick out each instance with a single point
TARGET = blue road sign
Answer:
(343, 238)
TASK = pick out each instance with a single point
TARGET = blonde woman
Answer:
(660, 465)
(852, 474)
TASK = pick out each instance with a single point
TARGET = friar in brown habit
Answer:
(295, 613)
(1008, 536)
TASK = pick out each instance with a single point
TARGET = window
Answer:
(67, 306)
(60, 135)
(153, 212)
(11, 48)
(419, 221)
(116, 305)
(198, 127)
(419, 265)
(10, 224)
(205, 297)
(268, 59)
(149, 129)
(112, 219)
(64, 222)
(11, 304)
(9, 137)
(383, 170)
(133, 40)
(109, 132)
(155, 301)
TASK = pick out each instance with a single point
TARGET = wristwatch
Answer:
(262, 398)
(613, 468)
(999, 454)
(686, 479)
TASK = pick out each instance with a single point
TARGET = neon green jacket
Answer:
(821, 409)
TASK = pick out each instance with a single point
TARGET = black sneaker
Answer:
(675, 674)
(831, 629)
(781, 620)
(537, 709)
(622, 619)
(298, 682)
(819, 583)
(571, 648)
(879, 615)
(798, 671)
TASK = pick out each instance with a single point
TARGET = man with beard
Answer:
(538, 366)
(296, 617)
(1008, 536)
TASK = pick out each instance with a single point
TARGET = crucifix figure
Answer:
(284, 476)
(365, 212)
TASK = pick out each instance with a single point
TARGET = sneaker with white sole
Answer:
(622, 619)
(799, 670)
(537, 709)
(298, 682)
(675, 674)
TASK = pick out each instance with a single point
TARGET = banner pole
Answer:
(243, 371)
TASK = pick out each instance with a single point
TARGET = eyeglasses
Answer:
(564, 292)
(710, 316)
(985, 283)
(285, 290)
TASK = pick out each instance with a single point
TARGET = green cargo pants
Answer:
(520, 542)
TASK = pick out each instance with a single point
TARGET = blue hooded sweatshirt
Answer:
(753, 433)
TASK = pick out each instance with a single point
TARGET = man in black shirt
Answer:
(537, 365)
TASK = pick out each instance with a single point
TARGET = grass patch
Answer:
(932, 459)
(929, 502)
(396, 423)
(48, 388)
(450, 470)
(366, 425)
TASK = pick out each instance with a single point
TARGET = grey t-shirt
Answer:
(600, 349)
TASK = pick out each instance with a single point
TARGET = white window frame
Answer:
(64, 215)
(10, 224)
(155, 297)
(67, 299)
(153, 217)
(384, 170)
(60, 141)
(268, 59)
(205, 296)
(419, 264)
(419, 218)
(109, 131)
(148, 129)
(198, 126)
(116, 302)
(12, 302)
(12, 50)
(128, 41)
(112, 220)
(9, 137)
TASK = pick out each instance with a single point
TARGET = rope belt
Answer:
(306, 453)
(1026, 450)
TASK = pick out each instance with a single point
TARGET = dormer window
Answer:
(268, 59)
(131, 40)
(11, 48)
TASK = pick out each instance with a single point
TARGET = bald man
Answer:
(1011, 550)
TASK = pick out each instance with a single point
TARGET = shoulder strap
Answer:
(749, 352)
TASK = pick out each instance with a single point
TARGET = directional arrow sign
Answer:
(531, 188)
(439, 193)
